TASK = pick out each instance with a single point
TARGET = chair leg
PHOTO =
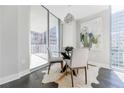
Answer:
(49, 68)
(66, 68)
(85, 75)
(62, 65)
(72, 78)
(74, 73)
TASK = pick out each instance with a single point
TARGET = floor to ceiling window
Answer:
(44, 33)
(38, 36)
(117, 37)
(54, 35)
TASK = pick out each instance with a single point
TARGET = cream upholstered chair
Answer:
(78, 60)
(52, 60)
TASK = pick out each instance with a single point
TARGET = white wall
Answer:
(71, 37)
(69, 34)
(101, 58)
(1, 15)
(14, 55)
(9, 57)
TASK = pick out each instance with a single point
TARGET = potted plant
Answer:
(88, 39)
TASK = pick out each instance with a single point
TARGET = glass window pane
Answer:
(38, 31)
(117, 37)
(54, 35)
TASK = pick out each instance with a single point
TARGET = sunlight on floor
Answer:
(37, 61)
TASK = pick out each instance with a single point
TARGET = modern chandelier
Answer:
(68, 18)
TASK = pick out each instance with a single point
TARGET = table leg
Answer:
(64, 69)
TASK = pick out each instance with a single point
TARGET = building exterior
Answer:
(39, 41)
(117, 38)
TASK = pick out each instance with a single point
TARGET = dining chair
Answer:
(78, 60)
(52, 60)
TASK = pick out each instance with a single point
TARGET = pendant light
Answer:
(69, 17)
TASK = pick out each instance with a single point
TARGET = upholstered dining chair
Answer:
(52, 60)
(78, 60)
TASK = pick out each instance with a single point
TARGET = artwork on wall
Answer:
(91, 34)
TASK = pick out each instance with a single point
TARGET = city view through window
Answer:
(117, 37)
(39, 43)
(44, 33)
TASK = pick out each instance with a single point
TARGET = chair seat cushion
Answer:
(56, 59)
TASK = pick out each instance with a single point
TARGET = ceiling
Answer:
(79, 11)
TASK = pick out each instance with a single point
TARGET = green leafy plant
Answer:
(88, 39)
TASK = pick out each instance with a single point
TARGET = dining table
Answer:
(67, 53)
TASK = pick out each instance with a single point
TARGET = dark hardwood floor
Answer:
(32, 80)
(106, 77)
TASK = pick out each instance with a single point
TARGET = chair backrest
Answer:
(79, 57)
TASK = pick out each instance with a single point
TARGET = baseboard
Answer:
(13, 77)
(8, 79)
(39, 67)
(23, 73)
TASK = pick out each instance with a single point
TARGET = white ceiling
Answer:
(79, 11)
